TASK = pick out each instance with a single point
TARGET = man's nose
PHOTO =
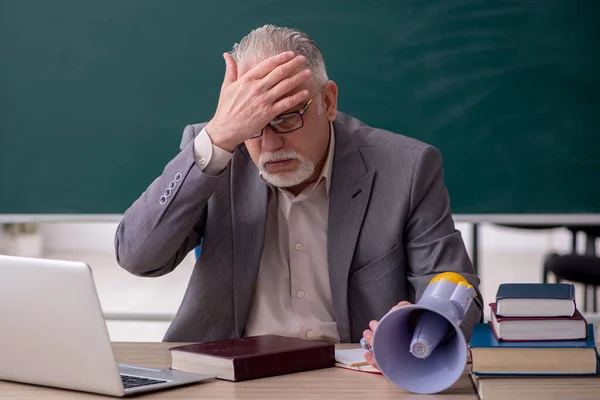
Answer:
(271, 141)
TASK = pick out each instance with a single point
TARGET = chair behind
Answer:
(574, 267)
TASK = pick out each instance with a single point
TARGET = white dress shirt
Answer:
(293, 293)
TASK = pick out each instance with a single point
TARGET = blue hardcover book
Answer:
(535, 300)
(562, 357)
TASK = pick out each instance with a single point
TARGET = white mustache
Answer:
(277, 156)
(291, 178)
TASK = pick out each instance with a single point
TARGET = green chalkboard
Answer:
(94, 94)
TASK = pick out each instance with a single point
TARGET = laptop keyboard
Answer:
(130, 381)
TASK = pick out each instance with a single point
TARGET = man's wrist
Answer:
(215, 135)
(210, 158)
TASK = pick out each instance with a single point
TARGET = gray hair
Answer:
(269, 40)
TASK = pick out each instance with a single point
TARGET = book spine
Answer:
(283, 363)
(597, 360)
(572, 292)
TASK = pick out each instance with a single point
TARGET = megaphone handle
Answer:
(430, 330)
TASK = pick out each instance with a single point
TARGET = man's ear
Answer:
(330, 94)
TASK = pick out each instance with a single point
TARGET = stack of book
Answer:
(536, 344)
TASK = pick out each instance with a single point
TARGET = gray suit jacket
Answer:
(390, 232)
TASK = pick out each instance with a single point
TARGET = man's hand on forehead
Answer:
(248, 102)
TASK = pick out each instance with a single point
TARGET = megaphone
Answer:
(420, 347)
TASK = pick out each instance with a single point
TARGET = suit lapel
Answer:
(249, 195)
(350, 191)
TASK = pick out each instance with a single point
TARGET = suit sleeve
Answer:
(167, 221)
(433, 245)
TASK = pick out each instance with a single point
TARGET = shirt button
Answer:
(300, 293)
(202, 161)
(298, 246)
(310, 333)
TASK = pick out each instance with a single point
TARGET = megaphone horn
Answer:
(420, 347)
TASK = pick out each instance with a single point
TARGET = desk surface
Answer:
(330, 383)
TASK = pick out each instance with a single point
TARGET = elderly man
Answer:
(313, 224)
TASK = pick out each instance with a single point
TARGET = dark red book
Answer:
(253, 357)
(538, 328)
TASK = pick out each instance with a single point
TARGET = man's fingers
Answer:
(368, 335)
(288, 84)
(288, 102)
(230, 70)
(281, 72)
(261, 70)
(370, 359)
(373, 324)
(401, 304)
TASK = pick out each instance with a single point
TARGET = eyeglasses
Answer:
(289, 122)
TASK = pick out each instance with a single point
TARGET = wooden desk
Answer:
(328, 384)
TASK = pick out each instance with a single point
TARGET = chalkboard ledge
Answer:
(521, 219)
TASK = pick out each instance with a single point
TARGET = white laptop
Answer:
(52, 332)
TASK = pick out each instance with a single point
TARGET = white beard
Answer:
(286, 179)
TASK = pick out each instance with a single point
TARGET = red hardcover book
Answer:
(538, 328)
(253, 357)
